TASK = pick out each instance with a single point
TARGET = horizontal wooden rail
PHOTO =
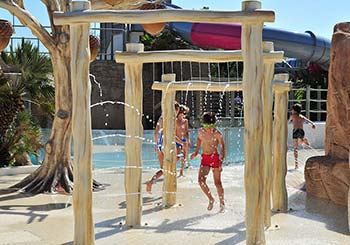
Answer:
(166, 15)
(212, 86)
(190, 55)
(198, 86)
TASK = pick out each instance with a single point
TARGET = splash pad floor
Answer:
(48, 219)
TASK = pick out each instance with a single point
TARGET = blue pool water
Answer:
(108, 151)
(115, 157)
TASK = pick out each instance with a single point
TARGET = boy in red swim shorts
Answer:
(209, 138)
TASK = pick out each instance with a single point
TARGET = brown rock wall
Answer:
(338, 100)
(328, 178)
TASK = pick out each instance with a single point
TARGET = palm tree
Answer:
(36, 70)
(22, 136)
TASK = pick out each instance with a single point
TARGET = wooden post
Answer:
(133, 142)
(169, 164)
(280, 135)
(267, 101)
(81, 129)
(253, 80)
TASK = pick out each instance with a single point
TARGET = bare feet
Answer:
(222, 208)
(149, 187)
(210, 205)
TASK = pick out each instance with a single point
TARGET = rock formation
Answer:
(329, 176)
(338, 101)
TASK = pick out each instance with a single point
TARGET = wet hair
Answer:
(297, 108)
(208, 118)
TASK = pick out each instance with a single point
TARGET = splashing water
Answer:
(206, 95)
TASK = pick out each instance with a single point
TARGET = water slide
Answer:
(305, 47)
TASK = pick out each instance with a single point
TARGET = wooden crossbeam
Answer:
(166, 15)
(190, 55)
(278, 85)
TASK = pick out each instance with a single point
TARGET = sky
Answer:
(298, 15)
(318, 16)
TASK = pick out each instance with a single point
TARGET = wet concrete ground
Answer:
(48, 218)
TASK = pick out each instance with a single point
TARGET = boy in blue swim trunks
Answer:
(158, 138)
(298, 130)
(182, 136)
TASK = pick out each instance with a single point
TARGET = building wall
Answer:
(315, 136)
(110, 75)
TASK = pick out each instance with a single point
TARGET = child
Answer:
(298, 131)
(182, 136)
(158, 137)
(209, 138)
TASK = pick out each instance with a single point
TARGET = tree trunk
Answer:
(56, 172)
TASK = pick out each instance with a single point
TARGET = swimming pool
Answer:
(108, 151)
(108, 146)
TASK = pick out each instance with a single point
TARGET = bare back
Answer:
(298, 120)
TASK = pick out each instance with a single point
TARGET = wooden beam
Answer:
(164, 15)
(253, 79)
(196, 85)
(170, 158)
(81, 129)
(280, 135)
(190, 56)
(119, 4)
(133, 144)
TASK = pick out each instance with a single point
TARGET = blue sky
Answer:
(318, 16)
(297, 15)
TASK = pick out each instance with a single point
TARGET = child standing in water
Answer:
(209, 138)
(182, 136)
(298, 130)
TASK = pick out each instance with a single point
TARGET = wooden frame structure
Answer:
(256, 86)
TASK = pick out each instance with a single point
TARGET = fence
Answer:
(313, 101)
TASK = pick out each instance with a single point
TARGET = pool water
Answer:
(109, 151)
(108, 148)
